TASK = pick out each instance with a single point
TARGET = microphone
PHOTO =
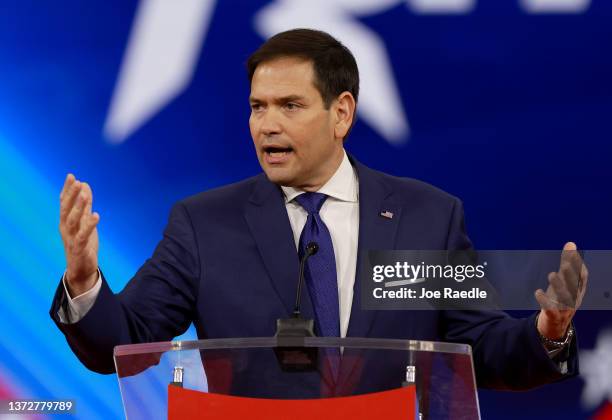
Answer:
(311, 249)
(291, 353)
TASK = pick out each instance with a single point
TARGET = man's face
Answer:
(292, 131)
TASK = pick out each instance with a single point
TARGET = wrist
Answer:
(558, 340)
(553, 329)
(77, 285)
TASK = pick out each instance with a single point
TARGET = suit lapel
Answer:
(376, 232)
(268, 221)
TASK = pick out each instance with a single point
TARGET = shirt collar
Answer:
(343, 185)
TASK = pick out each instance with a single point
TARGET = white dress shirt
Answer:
(340, 212)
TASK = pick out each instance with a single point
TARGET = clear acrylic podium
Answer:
(273, 378)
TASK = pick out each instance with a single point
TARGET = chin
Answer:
(279, 176)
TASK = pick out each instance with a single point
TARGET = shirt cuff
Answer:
(560, 356)
(78, 306)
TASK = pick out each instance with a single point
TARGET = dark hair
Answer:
(334, 66)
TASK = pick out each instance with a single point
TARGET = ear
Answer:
(344, 110)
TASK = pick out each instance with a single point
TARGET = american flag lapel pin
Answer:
(386, 214)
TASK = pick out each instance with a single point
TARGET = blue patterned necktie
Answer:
(320, 277)
(320, 270)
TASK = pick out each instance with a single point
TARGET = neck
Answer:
(327, 172)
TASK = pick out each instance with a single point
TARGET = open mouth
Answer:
(277, 151)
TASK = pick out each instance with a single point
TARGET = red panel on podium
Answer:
(394, 404)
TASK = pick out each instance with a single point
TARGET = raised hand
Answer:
(79, 235)
(563, 295)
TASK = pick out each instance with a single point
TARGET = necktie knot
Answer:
(311, 201)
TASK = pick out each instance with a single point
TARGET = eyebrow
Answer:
(281, 100)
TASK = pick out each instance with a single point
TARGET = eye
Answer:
(255, 107)
(291, 106)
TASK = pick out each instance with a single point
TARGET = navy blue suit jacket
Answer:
(228, 263)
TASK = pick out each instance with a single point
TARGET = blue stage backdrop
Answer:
(506, 104)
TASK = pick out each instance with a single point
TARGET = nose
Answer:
(269, 123)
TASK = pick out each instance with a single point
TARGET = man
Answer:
(228, 260)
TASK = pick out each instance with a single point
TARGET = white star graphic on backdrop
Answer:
(166, 39)
(596, 369)
(159, 61)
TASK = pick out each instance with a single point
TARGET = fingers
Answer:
(582, 284)
(68, 198)
(542, 299)
(584, 278)
(88, 224)
(86, 191)
(552, 299)
(579, 268)
(75, 210)
(87, 221)
(545, 301)
(561, 291)
(570, 255)
(572, 272)
(76, 213)
(568, 278)
(570, 246)
(67, 183)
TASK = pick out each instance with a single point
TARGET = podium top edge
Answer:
(273, 342)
